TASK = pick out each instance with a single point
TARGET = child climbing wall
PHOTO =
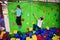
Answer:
(18, 13)
(48, 10)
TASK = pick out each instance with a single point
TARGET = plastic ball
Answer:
(13, 39)
(16, 35)
(17, 38)
(34, 37)
(30, 35)
(30, 29)
(5, 36)
(27, 38)
(15, 31)
(39, 37)
(11, 33)
(55, 37)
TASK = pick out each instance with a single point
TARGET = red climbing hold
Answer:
(44, 11)
(27, 28)
(52, 9)
(22, 19)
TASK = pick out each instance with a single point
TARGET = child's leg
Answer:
(34, 26)
(18, 21)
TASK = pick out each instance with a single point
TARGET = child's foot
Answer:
(19, 26)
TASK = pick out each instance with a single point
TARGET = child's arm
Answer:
(35, 16)
(14, 12)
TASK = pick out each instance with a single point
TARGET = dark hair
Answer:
(18, 6)
(41, 18)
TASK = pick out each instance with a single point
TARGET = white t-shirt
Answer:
(40, 22)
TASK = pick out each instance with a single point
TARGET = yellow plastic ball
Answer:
(27, 38)
(11, 33)
(13, 39)
(55, 37)
(3, 32)
(15, 31)
(17, 39)
(30, 29)
(34, 37)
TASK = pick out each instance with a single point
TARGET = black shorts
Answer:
(18, 20)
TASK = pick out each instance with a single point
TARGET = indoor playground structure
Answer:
(50, 28)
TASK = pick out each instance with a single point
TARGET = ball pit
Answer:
(40, 34)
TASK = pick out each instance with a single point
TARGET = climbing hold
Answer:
(55, 14)
(33, 22)
(28, 14)
(44, 11)
(48, 13)
(53, 23)
(48, 22)
(27, 23)
(52, 9)
(22, 19)
(27, 28)
(56, 20)
(13, 24)
(47, 27)
(11, 11)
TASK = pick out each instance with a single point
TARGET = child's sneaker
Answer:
(19, 26)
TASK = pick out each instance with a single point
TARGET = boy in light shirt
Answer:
(39, 22)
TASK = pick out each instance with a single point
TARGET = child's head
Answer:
(42, 18)
(18, 6)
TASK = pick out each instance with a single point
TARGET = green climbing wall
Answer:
(48, 10)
